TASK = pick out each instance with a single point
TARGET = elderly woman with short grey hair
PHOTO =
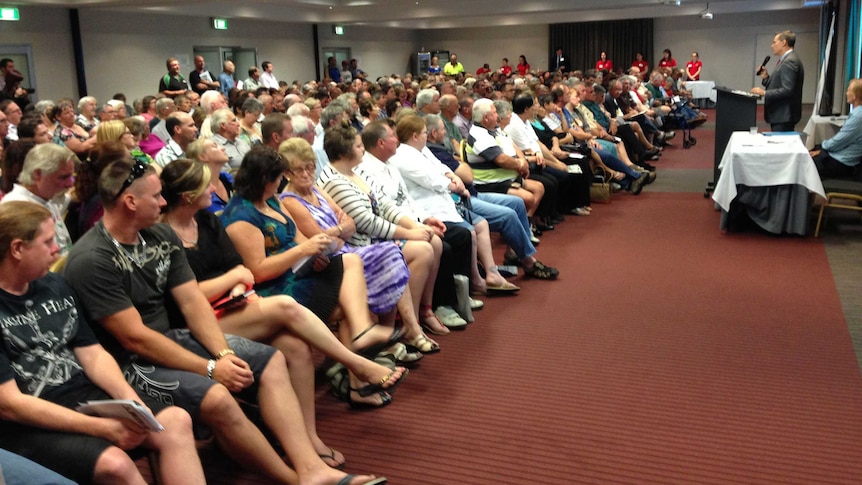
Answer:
(249, 126)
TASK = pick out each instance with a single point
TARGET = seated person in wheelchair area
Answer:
(840, 156)
(672, 108)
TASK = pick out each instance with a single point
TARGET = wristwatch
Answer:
(210, 368)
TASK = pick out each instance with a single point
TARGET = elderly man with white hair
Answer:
(303, 127)
(225, 128)
(210, 102)
(164, 108)
(428, 102)
(45, 179)
(86, 118)
(119, 106)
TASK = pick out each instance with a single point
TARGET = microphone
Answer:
(763, 66)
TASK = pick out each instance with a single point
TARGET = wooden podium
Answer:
(735, 110)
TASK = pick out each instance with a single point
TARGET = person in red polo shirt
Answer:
(667, 59)
(506, 69)
(693, 67)
(604, 64)
(640, 63)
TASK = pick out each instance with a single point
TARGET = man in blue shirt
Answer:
(225, 79)
(840, 155)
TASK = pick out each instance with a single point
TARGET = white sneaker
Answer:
(476, 304)
(462, 291)
(449, 317)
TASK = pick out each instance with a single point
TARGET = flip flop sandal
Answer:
(331, 456)
(504, 288)
(349, 478)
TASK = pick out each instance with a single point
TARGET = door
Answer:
(22, 55)
(212, 58)
(340, 54)
(243, 59)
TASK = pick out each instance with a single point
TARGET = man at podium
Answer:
(782, 102)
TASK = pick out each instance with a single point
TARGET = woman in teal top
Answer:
(271, 247)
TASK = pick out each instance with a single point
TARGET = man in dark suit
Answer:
(559, 61)
(782, 103)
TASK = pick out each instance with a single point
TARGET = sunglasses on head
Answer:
(139, 168)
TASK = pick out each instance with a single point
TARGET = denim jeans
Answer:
(618, 165)
(507, 215)
(17, 470)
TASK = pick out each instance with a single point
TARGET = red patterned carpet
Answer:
(667, 352)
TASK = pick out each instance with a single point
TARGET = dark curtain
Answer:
(582, 42)
(827, 11)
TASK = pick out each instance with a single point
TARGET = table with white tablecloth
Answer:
(769, 179)
(821, 128)
(703, 93)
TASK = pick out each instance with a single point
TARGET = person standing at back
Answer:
(782, 96)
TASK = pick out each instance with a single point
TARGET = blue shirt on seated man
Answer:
(839, 156)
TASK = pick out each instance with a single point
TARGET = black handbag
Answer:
(581, 147)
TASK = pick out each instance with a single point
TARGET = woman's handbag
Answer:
(600, 190)
(581, 147)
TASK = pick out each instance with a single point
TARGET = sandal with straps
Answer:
(385, 400)
(541, 272)
(512, 259)
(428, 313)
(424, 344)
(370, 389)
(374, 349)
(398, 354)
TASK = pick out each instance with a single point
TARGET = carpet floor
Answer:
(667, 352)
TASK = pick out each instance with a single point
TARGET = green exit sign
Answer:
(220, 24)
(9, 14)
(338, 29)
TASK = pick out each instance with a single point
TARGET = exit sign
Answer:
(9, 14)
(220, 24)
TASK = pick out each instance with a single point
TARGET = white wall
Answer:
(380, 51)
(48, 31)
(728, 44)
(491, 45)
(127, 53)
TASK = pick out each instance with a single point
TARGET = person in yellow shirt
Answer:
(453, 67)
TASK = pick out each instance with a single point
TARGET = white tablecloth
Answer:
(760, 161)
(701, 89)
(820, 128)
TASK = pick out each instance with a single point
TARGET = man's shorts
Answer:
(187, 389)
(70, 454)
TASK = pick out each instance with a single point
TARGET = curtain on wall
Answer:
(582, 42)
(854, 44)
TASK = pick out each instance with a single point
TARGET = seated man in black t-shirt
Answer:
(122, 270)
(50, 361)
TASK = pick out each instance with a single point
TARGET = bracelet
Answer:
(340, 230)
(225, 352)
(210, 368)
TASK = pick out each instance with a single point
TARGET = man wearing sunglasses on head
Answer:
(122, 270)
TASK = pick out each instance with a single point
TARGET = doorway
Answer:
(243, 58)
(340, 54)
(22, 56)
